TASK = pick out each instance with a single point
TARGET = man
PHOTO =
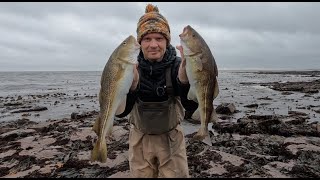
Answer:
(156, 142)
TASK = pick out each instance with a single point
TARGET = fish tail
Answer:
(95, 127)
(201, 134)
(206, 116)
(99, 152)
(214, 116)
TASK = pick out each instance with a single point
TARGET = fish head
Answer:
(129, 50)
(191, 41)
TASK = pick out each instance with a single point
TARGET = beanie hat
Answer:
(152, 21)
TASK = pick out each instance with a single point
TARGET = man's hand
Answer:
(135, 78)
(182, 73)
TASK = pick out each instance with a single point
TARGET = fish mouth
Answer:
(184, 32)
(137, 45)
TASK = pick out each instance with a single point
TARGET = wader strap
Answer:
(158, 117)
(169, 87)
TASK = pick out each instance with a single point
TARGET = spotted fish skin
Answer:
(202, 73)
(116, 80)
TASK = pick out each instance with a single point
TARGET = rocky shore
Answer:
(255, 145)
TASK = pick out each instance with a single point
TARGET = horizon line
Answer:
(222, 69)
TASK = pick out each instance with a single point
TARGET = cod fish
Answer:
(116, 80)
(202, 73)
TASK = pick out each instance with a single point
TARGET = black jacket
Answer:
(153, 75)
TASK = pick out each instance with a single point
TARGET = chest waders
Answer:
(158, 117)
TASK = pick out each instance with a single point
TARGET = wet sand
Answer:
(245, 144)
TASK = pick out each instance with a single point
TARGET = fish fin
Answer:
(216, 88)
(214, 117)
(207, 139)
(109, 131)
(201, 134)
(99, 152)
(198, 63)
(191, 95)
(122, 106)
(95, 126)
(196, 115)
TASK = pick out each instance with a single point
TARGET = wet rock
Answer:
(266, 124)
(13, 104)
(296, 148)
(311, 87)
(297, 113)
(21, 174)
(265, 98)
(295, 121)
(83, 115)
(4, 171)
(6, 129)
(307, 73)
(225, 117)
(216, 169)
(26, 114)
(262, 117)
(286, 93)
(254, 146)
(83, 134)
(32, 109)
(7, 153)
(39, 147)
(74, 115)
(226, 108)
(226, 127)
(47, 169)
(304, 171)
(251, 105)
(24, 122)
(73, 163)
(13, 135)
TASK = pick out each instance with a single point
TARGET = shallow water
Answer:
(71, 91)
(232, 91)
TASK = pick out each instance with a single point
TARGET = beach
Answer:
(268, 127)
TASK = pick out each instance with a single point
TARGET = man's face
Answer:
(153, 46)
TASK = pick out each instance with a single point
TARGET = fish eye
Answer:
(124, 43)
(193, 35)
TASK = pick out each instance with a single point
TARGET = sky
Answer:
(80, 36)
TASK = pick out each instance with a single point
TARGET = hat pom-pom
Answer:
(151, 8)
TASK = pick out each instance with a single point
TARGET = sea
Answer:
(67, 92)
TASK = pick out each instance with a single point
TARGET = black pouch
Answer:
(155, 117)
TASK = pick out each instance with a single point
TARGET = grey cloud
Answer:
(82, 35)
(259, 16)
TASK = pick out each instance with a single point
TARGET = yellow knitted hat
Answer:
(152, 21)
